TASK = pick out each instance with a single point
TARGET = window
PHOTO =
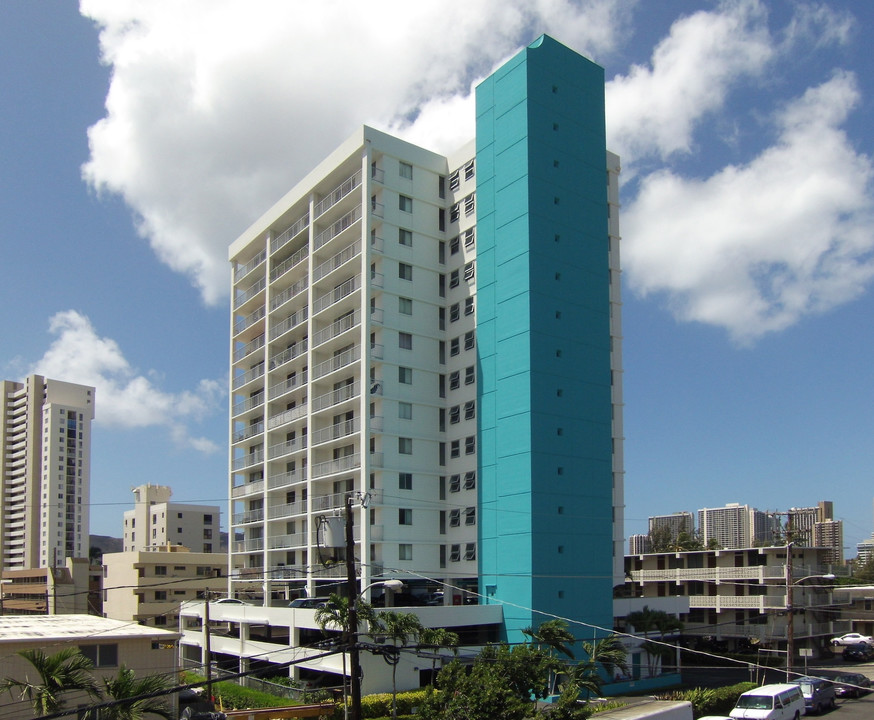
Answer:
(441, 291)
(207, 519)
(469, 170)
(470, 480)
(405, 446)
(469, 271)
(405, 170)
(160, 569)
(455, 553)
(453, 312)
(405, 272)
(470, 445)
(405, 481)
(405, 204)
(405, 410)
(469, 204)
(454, 414)
(470, 410)
(443, 556)
(405, 516)
(455, 483)
(405, 375)
(454, 181)
(441, 186)
(470, 551)
(455, 449)
(468, 306)
(454, 346)
(160, 595)
(454, 213)
(453, 279)
(405, 306)
(469, 340)
(405, 237)
(469, 238)
(405, 551)
(101, 655)
(470, 375)
(454, 518)
(454, 380)
(470, 516)
(454, 245)
(405, 341)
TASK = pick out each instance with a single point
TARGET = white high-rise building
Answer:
(156, 522)
(736, 526)
(440, 336)
(46, 470)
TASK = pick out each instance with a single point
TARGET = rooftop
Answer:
(15, 628)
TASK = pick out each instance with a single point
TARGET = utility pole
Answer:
(790, 624)
(352, 629)
(206, 649)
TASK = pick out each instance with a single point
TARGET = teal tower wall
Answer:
(543, 334)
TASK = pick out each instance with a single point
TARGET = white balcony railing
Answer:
(248, 376)
(337, 194)
(291, 322)
(250, 292)
(337, 294)
(248, 460)
(249, 348)
(338, 260)
(344, 464)
(284, 448)
(249, 403)
(335, 397)
(283, 297)
(335, 432)
(242, 270)
(288, 354)
(287, 416)
(343, 359)
(338, 327)
(249, 320)
(334, 230)
(289, 263)
(287, 235)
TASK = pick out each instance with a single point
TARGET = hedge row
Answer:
(710, 701)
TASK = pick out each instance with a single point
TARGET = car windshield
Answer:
(806, 688)
(755, 702)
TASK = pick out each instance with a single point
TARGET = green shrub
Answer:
(710, 701)
(379, 705)
(231, 696)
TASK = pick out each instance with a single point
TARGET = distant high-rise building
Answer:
(639, 545)
(45, 472)
(676, 523)
(816, 527)
(735, 526)
(157, 522)
(830, 534)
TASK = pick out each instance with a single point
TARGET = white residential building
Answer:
(45, 469)
(156, 522)
(736, 526)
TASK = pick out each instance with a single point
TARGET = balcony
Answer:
(338, 327)
(252, 488)
(338, 227)
(249, 516)
(287, 416)
(277, 512)
(337, 194)
(249, 348)
(287, 447)
(249, 320)
(287, 385)
(285, 479)
(249, 460)
(335, 432)
(279, 270)
(249, 404)
(247, 377)
(291, 322)
(344, 464)
(344, 359)
(718, 574)
(252, 545)
(248, 432)
(288, 235)
(336, 397)
(288, 354)
(337, 294)
(329, 502)
(287, 541)
(337, 261)
(289, 293)
(242, 270)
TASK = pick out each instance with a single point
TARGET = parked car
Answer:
(230, 601)
(309, 603)
(851, 685)
(818, 694)
(860, 652)
(770, 702)
(852, 639)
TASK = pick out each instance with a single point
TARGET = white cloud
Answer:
(754, 248)
(216, 107)
(124, 398)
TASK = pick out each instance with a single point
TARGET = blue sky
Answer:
(137, 140)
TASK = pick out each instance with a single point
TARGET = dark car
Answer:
(309, 603)
(851, 685)
(860, 652)
(819, 694)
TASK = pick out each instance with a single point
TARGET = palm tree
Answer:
(608, 654)
(124, 687)
(398, 627)
(553, 634)
(436, 638)
(335, 615)
(64, 672)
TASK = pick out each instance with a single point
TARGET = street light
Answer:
(790, 624)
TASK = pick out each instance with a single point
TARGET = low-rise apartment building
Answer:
(46, 591)
(149, 586)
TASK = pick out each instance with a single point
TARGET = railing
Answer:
(249, 403)
(249, 516)
(287, 510)
(329, 502)
(248, 431)
(248, 376)
(377, 243)
(376, 314)
(286, 478)
(337, 194)
(336, 261)
(248, 460)
(286, 541)
(754, 572)
(287, 416)
(251, 488)
(377, 209)
(288, 385)
(342, 224)
(284, 448)
(345, 358)
(289, 293)
(335, 432)
(242, 270)
(250, 292)
(376, 351)
(377, 174)
(292, 321)
(337, 294)
(287, 235)
(347, 322)
(249, 320)
(344, 464)
(250, 545)
(289, 263)
(335, 397)
(288, 354)
(249, 348)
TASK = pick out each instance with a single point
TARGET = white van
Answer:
(770, 702)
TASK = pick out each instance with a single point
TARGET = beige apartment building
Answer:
(47, 591)
(148, 586)
(156, 522)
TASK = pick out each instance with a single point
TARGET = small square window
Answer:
(405, 237)
(405, 271)
(405, 170)
(469, 169)
(405, 481)
(405, 341)
(469, 271)
(405, 306)
(469, 238)
(454, 213)
(454, 181)
(469, 204)
(405, 516)
(405, 410)
(405, 446)
(405, 375)
(405, 551)
(405, 204)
